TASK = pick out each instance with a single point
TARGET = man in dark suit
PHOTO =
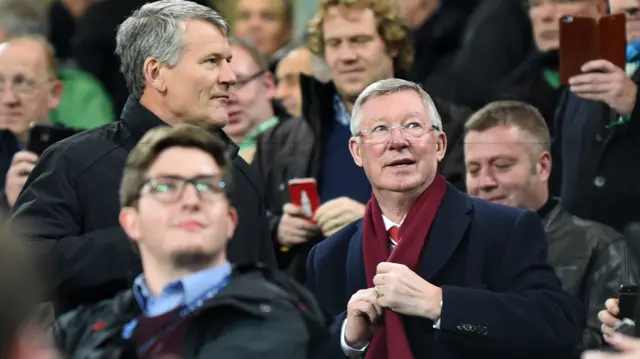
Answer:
(429, 271)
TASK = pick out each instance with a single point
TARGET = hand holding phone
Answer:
(584, 39)
(42, 136)
(627, 297)
(304, 194)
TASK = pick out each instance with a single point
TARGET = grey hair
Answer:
(387, 87)
(23, 17)
(155, 30)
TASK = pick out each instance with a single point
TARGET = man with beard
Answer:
(189, 302)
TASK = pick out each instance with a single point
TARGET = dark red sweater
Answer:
(169, 329)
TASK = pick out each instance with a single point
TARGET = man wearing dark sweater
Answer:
(189, 302)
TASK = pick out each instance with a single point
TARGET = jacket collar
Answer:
(139, 119)
(448, 229)
(317, 102)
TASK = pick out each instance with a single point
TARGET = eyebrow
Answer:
(406, 117)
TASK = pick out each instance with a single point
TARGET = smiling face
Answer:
(354, 50)
(505, 166)
(197, 88)
(400, 162)
(251, 96)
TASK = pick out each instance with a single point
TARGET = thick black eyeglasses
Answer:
(171, 188)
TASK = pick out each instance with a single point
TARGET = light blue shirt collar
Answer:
(179, 292)
(342, 116)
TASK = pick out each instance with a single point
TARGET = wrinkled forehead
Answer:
(395, 107)
(22, 59)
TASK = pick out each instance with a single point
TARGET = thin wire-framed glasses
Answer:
(171, 188)
(382, 133)
(21, 85)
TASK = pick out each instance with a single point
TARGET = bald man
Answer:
(29, 89)
(288, 74)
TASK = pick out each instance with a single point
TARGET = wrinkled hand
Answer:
(629, 348)
(610, 84)
(21, 165)
(608, 317)
(293, 228)
(333, 215)
(403, 291)
(363, 315)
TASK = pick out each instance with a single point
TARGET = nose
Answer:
(281, 92)
(347, 53)
(397, 140)
(487, 182)
(190, 197)
(8, 95)
(227, 76)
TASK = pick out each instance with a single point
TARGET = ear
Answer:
(233, 222)
(544, 166)
(354, 148)
(154, 74)
(55, 94)
(441, 145)
(130, 222)
(393, 51)
(270, 85)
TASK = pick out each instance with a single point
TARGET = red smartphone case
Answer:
(304, 193)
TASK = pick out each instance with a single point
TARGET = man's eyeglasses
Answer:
(21, 85)
(243, 81)
(171, 188)
(382, 133)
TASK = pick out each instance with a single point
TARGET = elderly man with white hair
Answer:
(430, 272)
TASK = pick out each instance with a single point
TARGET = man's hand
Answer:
(608, 317)
(403, 291)
(21, 165)
(606, 83)
(629, 349)
(363, 314)
(337, 213)
(293, 228)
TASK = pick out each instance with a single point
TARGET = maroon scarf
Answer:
(390, 340)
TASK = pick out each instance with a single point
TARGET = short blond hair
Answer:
(390, 28)
(511, 113)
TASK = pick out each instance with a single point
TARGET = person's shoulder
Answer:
(86, 147)
(285, 129)
(100, 313)
(502, 220)
(338, 242)
(598, 233)
(256, 282)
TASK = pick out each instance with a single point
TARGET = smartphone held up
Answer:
(584, 39)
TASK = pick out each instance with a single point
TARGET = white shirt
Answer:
(359, 352)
